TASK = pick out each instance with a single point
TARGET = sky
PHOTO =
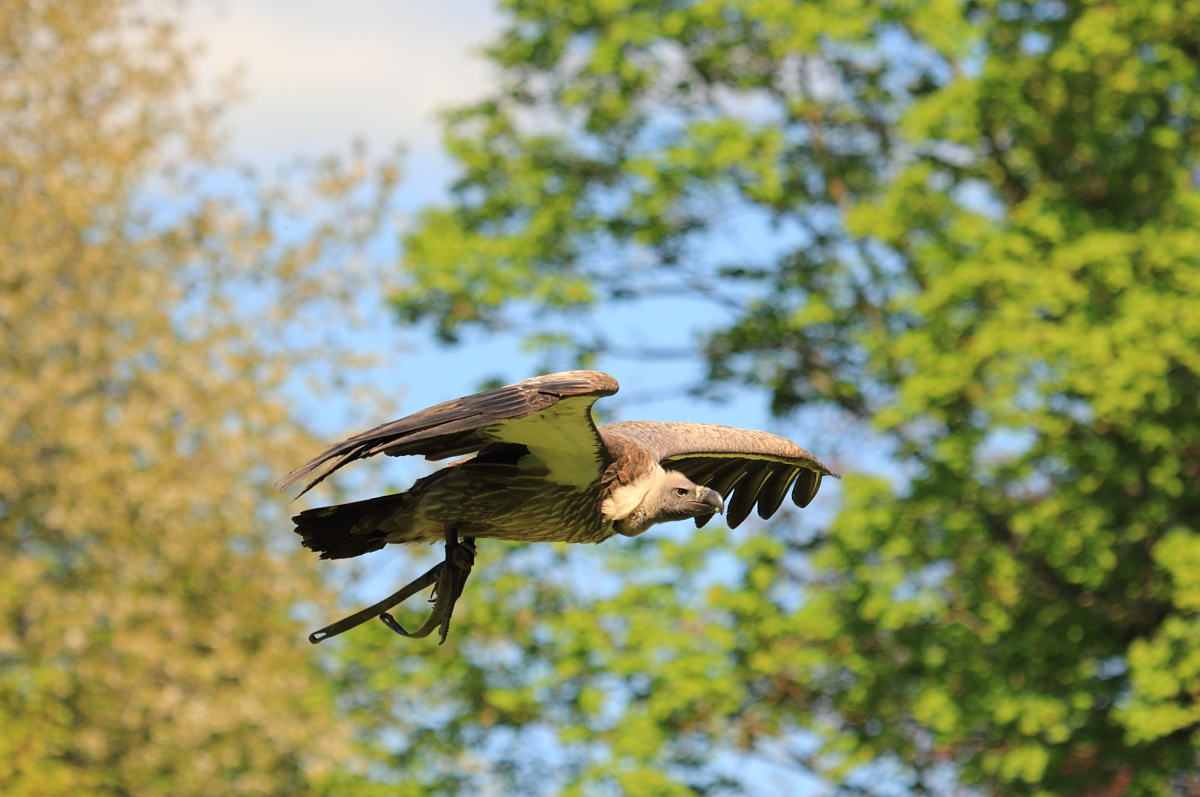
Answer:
(317, 75)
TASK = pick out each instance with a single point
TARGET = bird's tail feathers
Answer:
(346, 530)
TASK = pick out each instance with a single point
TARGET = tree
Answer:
(987, 253)
(148, 638)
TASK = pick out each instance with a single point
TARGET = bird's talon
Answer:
(431, 577)
(462, 556)
(391, 623)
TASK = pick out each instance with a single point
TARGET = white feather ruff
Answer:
(626, 498)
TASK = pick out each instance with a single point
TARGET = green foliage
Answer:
(996, 267)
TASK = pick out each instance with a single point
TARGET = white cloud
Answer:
(318, 74)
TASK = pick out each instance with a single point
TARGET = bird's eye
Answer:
(680, 491)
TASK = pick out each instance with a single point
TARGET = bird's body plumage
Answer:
(538, 469)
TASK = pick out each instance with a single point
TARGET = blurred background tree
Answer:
(149, 641)
(986, 246)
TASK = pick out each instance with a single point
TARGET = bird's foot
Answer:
(450, 579)
(447, 577)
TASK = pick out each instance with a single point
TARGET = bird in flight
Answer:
(535, 467)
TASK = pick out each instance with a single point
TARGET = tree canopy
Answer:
(986, 221)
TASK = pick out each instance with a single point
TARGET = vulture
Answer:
(534, 466)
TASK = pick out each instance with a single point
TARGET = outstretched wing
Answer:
(550, 415)
(756, 467)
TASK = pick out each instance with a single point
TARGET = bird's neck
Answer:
(626, 504)
(635, 523)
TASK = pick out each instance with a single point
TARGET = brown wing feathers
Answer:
(746, 467)
(453, 427)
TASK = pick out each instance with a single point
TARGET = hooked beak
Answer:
(713, 498)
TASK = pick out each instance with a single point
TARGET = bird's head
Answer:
(678, 498)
